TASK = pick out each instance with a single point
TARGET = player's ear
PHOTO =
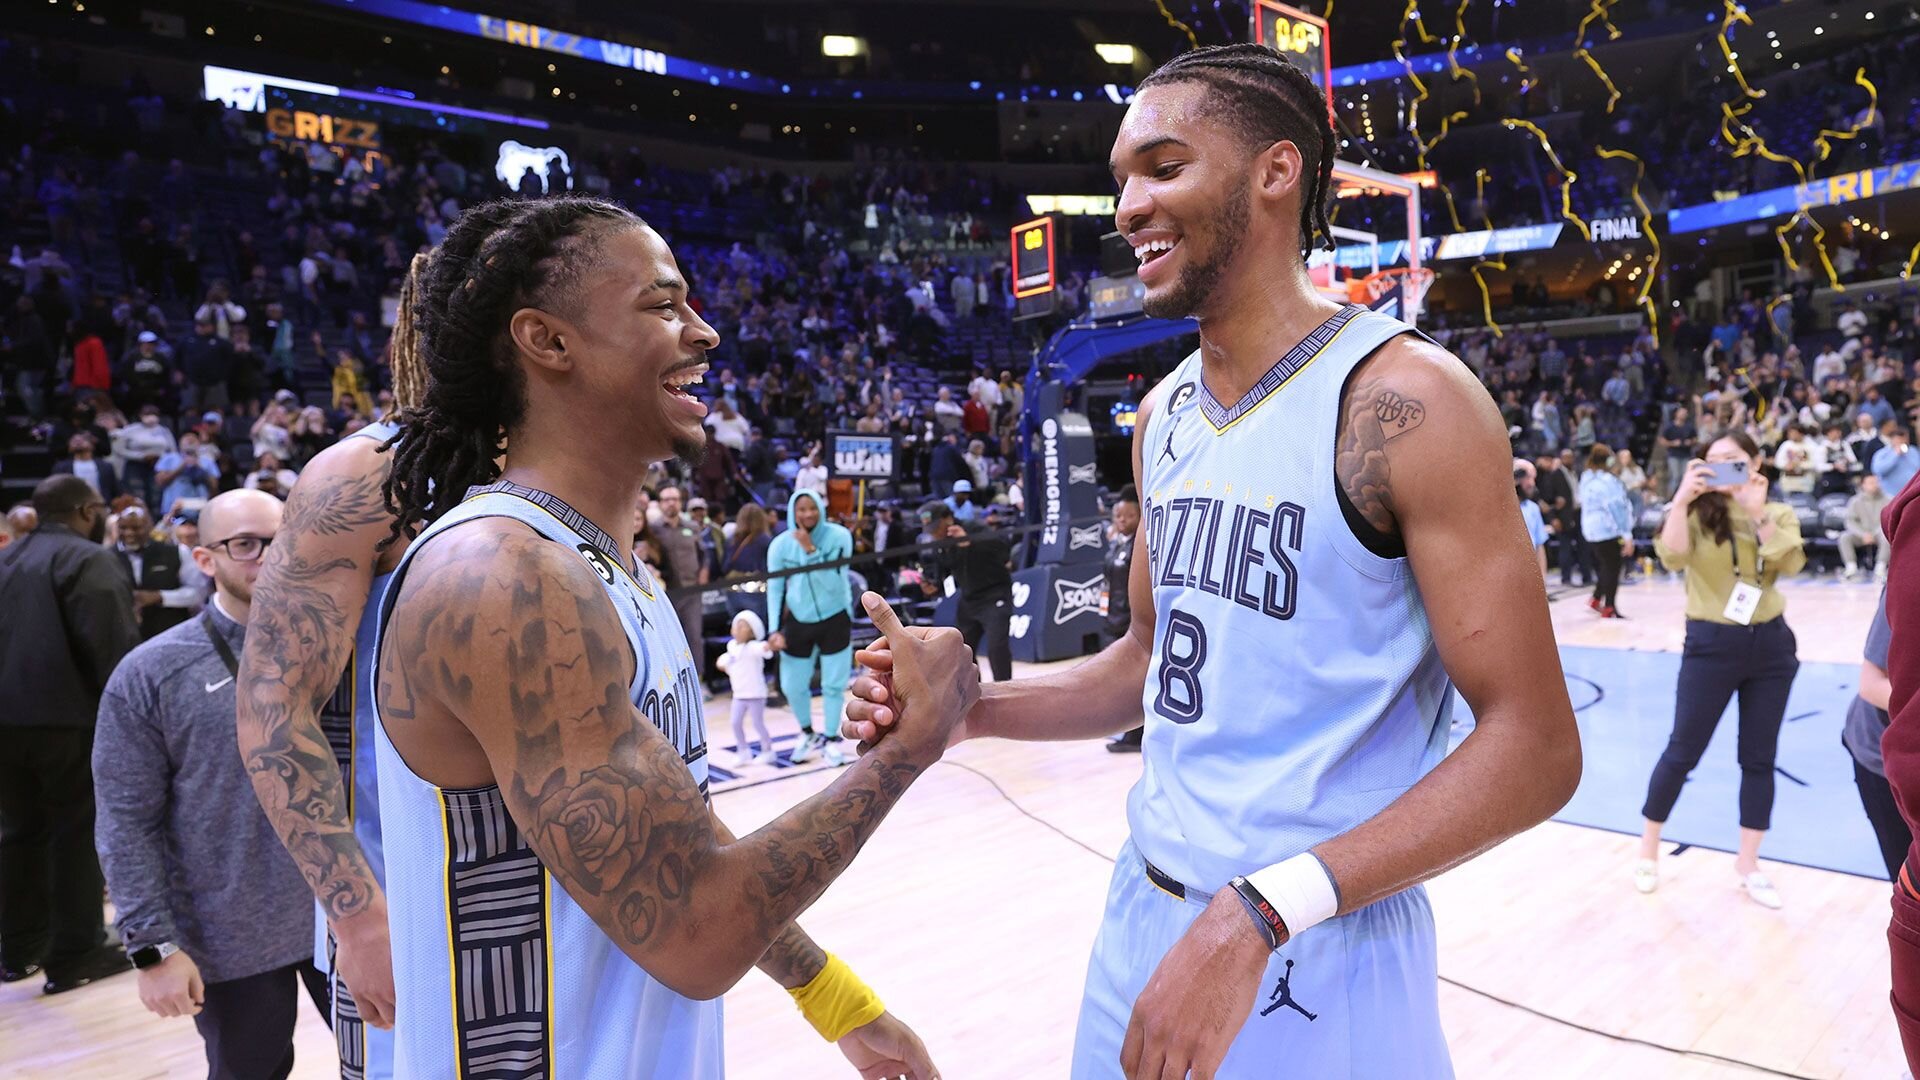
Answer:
(1277, 170)
(542, 338)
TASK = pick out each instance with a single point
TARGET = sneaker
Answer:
(1610, 613)
(810, 744)
(1593, 603)
(99, 964)
(1646, 875)
(15, 974)
(1761, 890)
(835, 754)
(1849, 573)
(1128, 743)
(766, 757)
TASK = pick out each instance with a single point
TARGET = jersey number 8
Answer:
(1181, 656)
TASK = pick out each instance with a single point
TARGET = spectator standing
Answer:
(1800, 462)
(147, 372)
(1679, 438)
(976, 420)
(729, 428)
(1841, 464)
(1606, 524)
(81, 462)
(810, 619)
(812, 476)
(1115, 603)
(960, 503)
(142, 445)
(745, 555)
(188, 473)
(1734, 546)
(212, 909)
(271, 477)
(27, 355)
(207, 362)
(1556, 504)
(685, 569)
(1865, 726)
(977, 561)
(1895, 463)
(947, 412)
(977, 465)
(947, 467)
(1524, 488)
(1863, 529)
(1634, 479)
(168, 586)
(69, 620)
(745, 663)
(91, 370)
(220, 310)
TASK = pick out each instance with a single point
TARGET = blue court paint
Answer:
(1624, 704)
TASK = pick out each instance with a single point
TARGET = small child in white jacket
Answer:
(746, 666)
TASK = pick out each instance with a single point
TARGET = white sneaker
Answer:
(742, 758)
(836, 755)
(1761, 890)
(810, 745)
(1646, 875)
(1849, 573)
(766, 757)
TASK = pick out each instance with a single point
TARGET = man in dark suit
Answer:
(167, 586)
(80, 461)
(69, 620)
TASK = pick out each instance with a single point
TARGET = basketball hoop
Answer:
(1406, 284)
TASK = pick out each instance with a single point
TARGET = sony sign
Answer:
(1072, 599)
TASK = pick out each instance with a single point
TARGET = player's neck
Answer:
(1251, 325)
(599, 487)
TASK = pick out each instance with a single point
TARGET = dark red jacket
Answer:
(1900, 746)
(90, 364)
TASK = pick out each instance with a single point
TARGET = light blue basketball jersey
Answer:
(366, 1053)
(1295, 689)
(498, 972)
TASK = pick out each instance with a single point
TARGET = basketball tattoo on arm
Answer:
(1375, 415)
(298, 639)
(524, 647)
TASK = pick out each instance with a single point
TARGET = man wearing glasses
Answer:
(214, 913)
(66, 618)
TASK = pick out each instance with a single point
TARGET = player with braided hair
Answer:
(562, 899)
(1330, 545)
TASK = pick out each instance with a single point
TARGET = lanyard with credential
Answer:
(219, 643)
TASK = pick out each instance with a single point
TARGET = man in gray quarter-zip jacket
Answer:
(214, 912)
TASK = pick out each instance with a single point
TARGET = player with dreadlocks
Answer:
(1331, 546)
(562, 899)
(305, 705)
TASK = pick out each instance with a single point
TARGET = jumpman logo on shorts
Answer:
(1282, 996)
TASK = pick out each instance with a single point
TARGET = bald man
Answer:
(215, 915)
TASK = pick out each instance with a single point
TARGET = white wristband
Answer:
(1300, 890)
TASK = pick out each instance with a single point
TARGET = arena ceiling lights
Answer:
(842, 45)
(1114, 53)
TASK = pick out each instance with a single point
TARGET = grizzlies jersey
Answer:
(499, 974)
(347, 719)
(1294, 689)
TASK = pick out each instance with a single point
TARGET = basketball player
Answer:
(1331, 546)
(562, 900)
(305, 708)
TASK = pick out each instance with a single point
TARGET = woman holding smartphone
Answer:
(1734, 546)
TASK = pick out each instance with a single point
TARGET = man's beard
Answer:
(1223, 231)
(690, 450)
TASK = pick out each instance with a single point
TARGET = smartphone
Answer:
(1727, 474)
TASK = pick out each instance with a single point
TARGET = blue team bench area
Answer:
(1624, 703)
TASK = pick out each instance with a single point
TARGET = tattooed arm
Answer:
(1422, 452)
(306, 607)
(513, 638)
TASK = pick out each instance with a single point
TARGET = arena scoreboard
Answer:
(1033, 268)
(1299, 36)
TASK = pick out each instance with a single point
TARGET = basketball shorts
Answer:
(1354, 998)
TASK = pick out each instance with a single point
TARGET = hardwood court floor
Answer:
(974, 922)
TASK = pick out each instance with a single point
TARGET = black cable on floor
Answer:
(1562, 1021)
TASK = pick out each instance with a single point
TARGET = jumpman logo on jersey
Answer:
(1282, 996)
(1168, 452)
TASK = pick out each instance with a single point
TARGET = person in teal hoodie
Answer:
(809, 616)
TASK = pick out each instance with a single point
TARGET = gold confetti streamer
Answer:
(1413, 107)
(1498, 263)
(1527, 81)
(1912, 258)
(1412, 15)
(1453, 50)
(1825, 139)
(1567, 176)
(1734, 13)
(1446, 192)
(1598, 12)
(1645, 299)
(1176, 23)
